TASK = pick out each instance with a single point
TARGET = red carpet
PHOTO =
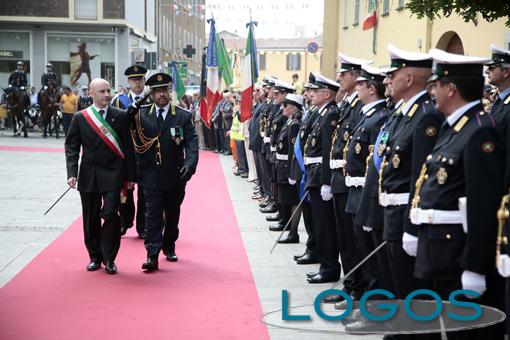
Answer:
(208, 294)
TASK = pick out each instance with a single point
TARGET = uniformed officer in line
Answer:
(136, 80)
(316, 158)
(18, 77)
(298, 175)
(166, 147)
(350, 114)
(406, 150)
(255, 140)
(498, 73)
(288, 194)
(458, 190)
(49, 77)
(263, 176)
(277, 121)
(269, 205)
(359, 149)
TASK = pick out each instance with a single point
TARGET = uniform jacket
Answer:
(100, 170)
(318, 144)
(179, 147)
(255, 138)
(304, 130)
(18, 78)
(409, 145)
(285, 146)
(49, 77)
(467, 161)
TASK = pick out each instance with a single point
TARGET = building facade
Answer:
(397, 26)
(83, 39)
(281, 57)
(181, 32)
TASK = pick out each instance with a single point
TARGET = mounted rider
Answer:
(18, 78)
(49, 77)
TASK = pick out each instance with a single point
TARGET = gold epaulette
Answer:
(507, 100)
(354, 102)
(411, 112)
(460, 124)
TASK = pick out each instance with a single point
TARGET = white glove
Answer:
(291, 181)
(410, 244)
(367, 229)
(326, 192)
(473, 281)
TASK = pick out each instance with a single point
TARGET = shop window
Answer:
(385, 7)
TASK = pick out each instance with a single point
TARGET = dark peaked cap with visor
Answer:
(159, 80)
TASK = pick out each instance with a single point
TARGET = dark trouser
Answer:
(346, 244)
(311, 245)
(209, 135)
(401, 264)
(369, 270)
(493, 297)
(325, 232)
(385, 280)
(262, 174)
(259, 169)
(127, 211)
(220, 139)
(242, 160)
(140, 211)
(159, 202)
(102, 242)
(66, 121)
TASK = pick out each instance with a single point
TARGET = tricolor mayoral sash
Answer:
(103, 130)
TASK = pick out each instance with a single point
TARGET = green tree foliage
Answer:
(490, 10)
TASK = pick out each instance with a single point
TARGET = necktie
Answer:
(160, 118)
(102, 113)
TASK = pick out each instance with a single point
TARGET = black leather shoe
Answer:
(320, 278)
(264, 203)
(278, 227)
(342, 305)
(294, 239)
(110, 267)
(335, 298)
(244, 175)
(151, 264)
(273, 218)
(311, 274)
(296, 257)
(307, 259)
(170, 256)
(93, 266)
(269, 209)
(123, 231)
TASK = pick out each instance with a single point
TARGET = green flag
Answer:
(178, 85)
(224, 63)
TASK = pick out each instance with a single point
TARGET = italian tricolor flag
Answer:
(250, 74)
(103, 130)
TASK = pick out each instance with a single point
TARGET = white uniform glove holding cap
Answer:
(473, 281)
(367, 229)
(410, 244)
(326, 192)
(291, 181)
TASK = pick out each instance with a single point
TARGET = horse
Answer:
(17, 102)
(48, 104)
